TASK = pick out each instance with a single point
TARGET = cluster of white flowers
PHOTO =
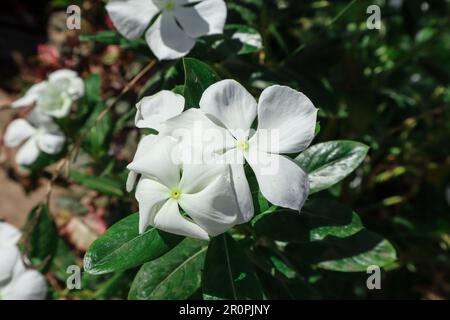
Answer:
(177, 26)
(53, 99)
(196, 161)
(17, 282)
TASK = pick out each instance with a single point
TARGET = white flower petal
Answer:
(18, 131)
(235, 158)
(281, 181)
(197, 177)
(170, 220)
(30, 285)
(243, 193)
(131, 17)
(39, 119)
(69, 81)
(9, 234)
(160, 162)
(228, 102)
(205, 18)
(28, 153)
(31, 95)
(56, 106)
(51, 143)
(9, 255)
(214, 208)
(62, 74)
(195, 129)
(131, 181)
(151, 195)
(167, 40)
(154, 110)
(289, 114)
(143, 147)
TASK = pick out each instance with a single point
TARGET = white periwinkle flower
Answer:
(174, 32)
(286, 125)
(39, 134)
(203, 192)
(55, 96)
(16, 282)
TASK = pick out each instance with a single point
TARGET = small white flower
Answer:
(203, 192)
(16, 282)
(229, 108)
(55, 96)
(40, 134)
(174, 32)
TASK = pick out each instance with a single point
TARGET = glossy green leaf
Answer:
(318, 219)
(250, 39)
(357, 253)
(227, 273)
(350, 254)
(105, 185)
(122, 247)
(329, 162)
(175, 275)
(327, 217)
(40, 237)
(198, 77)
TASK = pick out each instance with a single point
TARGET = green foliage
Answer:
(198, 77)
(175, 275)
(329, 162)
(107, 253)
(40, 237)
(387, 89)
(227, 273)
(105, 185)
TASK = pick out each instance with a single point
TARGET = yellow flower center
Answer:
(175, 193)
(242, 145)
(170, 6)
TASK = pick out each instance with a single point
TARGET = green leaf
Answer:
(198, 77)
(92, 84)
(227, 273)
(112, 37)
(40, 237)
(249, 38)
(318, 219)
(351, 254)
(122, 247)
(330, 218)
(108, 37)
(97, 140)
(357, 253)
(103, 184)
(176, 275)
(329, 162)
(282, 225)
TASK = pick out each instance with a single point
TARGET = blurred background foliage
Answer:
(387, 88)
